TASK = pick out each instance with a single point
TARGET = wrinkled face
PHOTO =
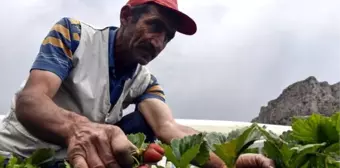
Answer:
(146, 36)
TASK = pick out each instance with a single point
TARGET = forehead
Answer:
(168, 16)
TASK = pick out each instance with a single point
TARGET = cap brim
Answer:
(185, 25)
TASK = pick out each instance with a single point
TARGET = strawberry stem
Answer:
(136, 160)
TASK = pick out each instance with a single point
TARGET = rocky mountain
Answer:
(301, 99)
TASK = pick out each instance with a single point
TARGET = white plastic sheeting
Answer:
(226, 126)
(221, 125)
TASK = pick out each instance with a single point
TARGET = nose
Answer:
(158, 41)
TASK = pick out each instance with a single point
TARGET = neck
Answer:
(122, 58)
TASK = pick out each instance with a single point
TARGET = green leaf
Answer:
(251, 150)
(303, 153)
(323, 160)
(203, 155)
(313, 142)
(276, 148)
(40, 156)
(328, 131)
(170, 155)
(273, 138)
(333, 148)
(182, 152)
(336, 121)
(67, 165)
(235, 133)
(227, 152)
(333, 151)
(188, 156)
(29, 166)
(230, 151)
(12, 162)
(287, 137)
(280, 156)
(332, 163)
(315, 129)
(306, 130)
(180, 146)
(2, 161)
(138, 140)
(215, 138)
(247, 138)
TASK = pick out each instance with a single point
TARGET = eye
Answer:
(157, 27)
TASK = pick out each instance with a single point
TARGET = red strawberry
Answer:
(151, 154)
(143, 166)
(158, 148)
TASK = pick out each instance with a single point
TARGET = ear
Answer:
(125, 15)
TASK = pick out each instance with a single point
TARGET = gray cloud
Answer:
(243, 55)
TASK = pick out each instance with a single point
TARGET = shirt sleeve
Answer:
(154, 90)
(56, 50)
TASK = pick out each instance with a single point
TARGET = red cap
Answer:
(186, 25)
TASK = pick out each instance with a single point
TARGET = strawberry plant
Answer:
(146, 152)
(230, 150)
(182, 152)
(34, 161)
(314, 141)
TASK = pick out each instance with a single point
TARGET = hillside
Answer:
(300, 99)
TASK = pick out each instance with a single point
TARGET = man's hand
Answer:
(254, 161)
(92, 145)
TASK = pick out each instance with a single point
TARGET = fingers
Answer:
(254, 160)
(76, 157)
(79, 162)
(100, 146)
(263, 161)
(92, 156)
(82, 152)
(122, 149)
(105, 151)
(267, 163)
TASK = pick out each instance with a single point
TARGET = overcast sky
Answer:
(244, 53)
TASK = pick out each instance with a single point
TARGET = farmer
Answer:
(82, 79)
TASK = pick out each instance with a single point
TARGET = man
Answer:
(84, 77)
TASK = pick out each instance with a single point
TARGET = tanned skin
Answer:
(137, 41)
